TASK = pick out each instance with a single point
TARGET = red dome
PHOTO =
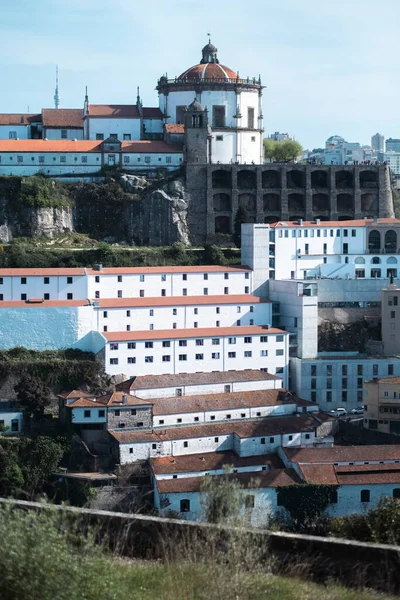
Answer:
(208, 72)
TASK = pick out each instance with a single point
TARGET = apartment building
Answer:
(382, 404)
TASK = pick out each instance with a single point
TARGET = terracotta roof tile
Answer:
(327, 224)
(343, 454)
(150, 147)
(170, 270)
(50, 146)
(258, 428)
(233, 400)
(118, 111)
(210, 461)
(174, 128)
(63, 117)
(168, 334)
(386, 380)
(319, 473)
(145, 382)
(150, 112)
(39, 303)
(263, 479)
(181, 301)
(208, 71)
(368, 474)
(19, 119)
(34, 272)
(74, 394)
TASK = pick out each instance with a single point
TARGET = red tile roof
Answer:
(37, 272)
(114, 399)
(50, 146)
(368, 474)
(181, 301)
(257, 480)
(170, 334)
(149, 147)
(243, 429)
(75, 394)
(232, 400)
(386, 380)
(118, 111)
(343, 454)
(319, 473)
(174, 128)
(39, 303)
(152, 113)
(209, 461)
(326, 224)
(145, 382)
(169, 270)
(19, 119)
(63, 117)
(208, 71)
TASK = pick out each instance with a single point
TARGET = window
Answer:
(228, 416)
(344, 396)
(184, 277)
(205, 291)
(205, 276)
(264, 339)
(105, 328)
(161, 422)
(164, 277)
(12, 135)
(216, 323)
(247, 340)
(279, 352)
(390, 369)
(183, 357)
(199, 342)
(114, 346)
(185, 444)
(231, 354)
(396, 493)
(70, 296)
(329, 396)
(184, 292)
(375, 370)
(141, 294)
(113, 361)
(131, 345)
(196, 311)
(279, 338)
(232, 340)
(392, 314)
(184, 505)
(196, 419)
(217, 310)
(250, 118)
(247, 354)
(86, 414)
(199, 356)
(218, 116)
(23, 280)
(154, 446)
(238, 323)
(128, 313)
(215, 355)
(246, 290)
(365, 496)
(166, 358)
(84, 159)
(179, 420)
(46, 296)
(148, 359)
(131, 360)
(117, 413)
(148, 344)
(345, 248)
(359, 369)
(227, 389)
(20, 159)
(182, 343)
(127, 136)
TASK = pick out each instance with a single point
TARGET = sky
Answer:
(329, 66)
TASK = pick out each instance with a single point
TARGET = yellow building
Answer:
(382, 404)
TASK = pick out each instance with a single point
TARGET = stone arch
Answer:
(374, 241)
(295, 217)
(247, 201)
(271, 201)
(296, 201)
(346, 218)
(322, 217)
(296, 179)
(319, 179)
(392, 260)
(320, 202)
(376, 260)
(369, 179)
(221, 178)
(369, 202)
(271, 219)
(222, 224)
(345, 202)
(271, 179)
(246, 179)
(344, 179)
(360, 260)
(222, 202)
(390, 241)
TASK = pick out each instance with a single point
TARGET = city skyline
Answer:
(324, 77)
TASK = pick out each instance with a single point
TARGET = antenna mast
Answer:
(56, 94)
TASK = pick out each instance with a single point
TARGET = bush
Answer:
(42, 192)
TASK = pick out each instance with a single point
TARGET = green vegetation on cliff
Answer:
(43, 193)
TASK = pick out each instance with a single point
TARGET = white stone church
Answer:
(208, 96)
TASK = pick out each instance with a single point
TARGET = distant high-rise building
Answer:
(393, 144)
(279, 137)
(377, 142)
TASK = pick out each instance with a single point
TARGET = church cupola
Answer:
(209, 54)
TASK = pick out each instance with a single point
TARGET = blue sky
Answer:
(330, 66)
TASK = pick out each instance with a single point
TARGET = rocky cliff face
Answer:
(133, 209)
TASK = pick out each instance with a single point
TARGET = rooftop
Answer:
(263, 479)
(168, 334)
(145, 382)
(343, 454)
(181, 301)
(63, 117)
(38, 272)
(210, 461)
(19, 119)
(327, 224)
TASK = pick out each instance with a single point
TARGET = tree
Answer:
(213, 255)
(33, 395)
(221, 498)
(286, 151)
(39, 458)
(240, 217)
(305, 502)
(269, 149)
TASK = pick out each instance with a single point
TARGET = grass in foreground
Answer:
(43, 559)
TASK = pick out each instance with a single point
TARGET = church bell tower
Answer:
(196, 138)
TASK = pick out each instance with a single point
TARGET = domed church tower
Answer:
(233, 105)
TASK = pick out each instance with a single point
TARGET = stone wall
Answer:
(275, 191)
(130, 416)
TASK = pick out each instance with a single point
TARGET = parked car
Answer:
(338, 412)
(358, 410)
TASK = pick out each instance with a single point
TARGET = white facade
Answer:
(190, 351)
(334, 250)
(67, 133)
(15, 132)
(101, 128)
(11, 421)
(336, 379)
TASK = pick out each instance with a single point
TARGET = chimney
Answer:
(124, 399)
(300, 221)
(98, 267)
(317, 221)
